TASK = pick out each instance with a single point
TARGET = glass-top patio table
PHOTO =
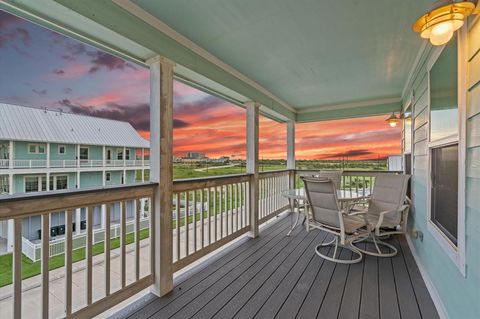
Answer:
(297, 197)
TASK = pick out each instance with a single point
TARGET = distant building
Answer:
(194, 155)
(43, 150)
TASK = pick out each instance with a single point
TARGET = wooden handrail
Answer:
(23, 205)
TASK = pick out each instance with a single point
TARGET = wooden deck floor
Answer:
(275, 276)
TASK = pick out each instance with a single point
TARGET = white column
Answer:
(78, 218)
(48, 155)
(10, 155)
(253, 109)
(102, 217)
(78, 155)
(291, 153)
(124, 156)
(291, 145)
(78, 179)
(143, 157)
(104, 156)
(161, 170)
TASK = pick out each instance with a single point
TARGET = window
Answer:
(444, 190)
(84, 153)
(446, 194)
(61, 149)
(108, 176)
(444, 118)
(127, 154)
(35, 184)
(119, 154)
(58, 182)
(4, 186)
(36, 149)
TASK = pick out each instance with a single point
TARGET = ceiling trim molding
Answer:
(417, 60)
(350, 105)
(140, 13)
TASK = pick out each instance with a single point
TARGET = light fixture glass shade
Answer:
(392, 120)
(439, 24)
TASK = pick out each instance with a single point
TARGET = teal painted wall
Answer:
(459, 294)
(21, 152)
(130, 177)
(95, 152)
(116, 178)
(90, 179)
(70, 152)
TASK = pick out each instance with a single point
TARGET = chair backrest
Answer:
(389, 193)
(334, 175)
(322, 197)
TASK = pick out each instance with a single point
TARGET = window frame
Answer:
(80, 153)
(40, 179)
(455, 252)
(108, 176)
(55, 181)
(37, 148)
(64, 149)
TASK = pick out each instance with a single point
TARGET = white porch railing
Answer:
(43, 204)
(29, 163)
(57, 246)
(207, 214)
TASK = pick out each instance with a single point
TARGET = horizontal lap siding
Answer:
(457, 293)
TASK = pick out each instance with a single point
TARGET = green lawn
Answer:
(30, 268)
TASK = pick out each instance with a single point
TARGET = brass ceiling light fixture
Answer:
(445, 17)
(392, 120)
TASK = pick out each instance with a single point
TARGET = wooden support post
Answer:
(252, 164)
(291, 153)
(161, 170)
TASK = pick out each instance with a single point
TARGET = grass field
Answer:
(30, 268)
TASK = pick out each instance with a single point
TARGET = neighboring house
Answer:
(43, 150)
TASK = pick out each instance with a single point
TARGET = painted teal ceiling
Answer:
(308, 53)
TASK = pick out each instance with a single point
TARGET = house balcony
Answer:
(55, 164)
(218, 270)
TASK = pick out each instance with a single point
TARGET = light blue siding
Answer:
(70, 152)
(21, 152)
(459, 294)
(91, 179)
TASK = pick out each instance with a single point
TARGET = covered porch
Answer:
(293, 62)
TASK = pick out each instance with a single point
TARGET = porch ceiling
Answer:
(301, 59)
(308, 53)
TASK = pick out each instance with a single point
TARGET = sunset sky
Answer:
(41, 68)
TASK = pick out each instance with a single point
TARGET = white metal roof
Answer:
(20, 123)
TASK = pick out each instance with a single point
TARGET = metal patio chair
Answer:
(327, 215)
(386, 213)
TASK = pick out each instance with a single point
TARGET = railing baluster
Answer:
(123, 234)
(209, 212)
(226, 210)
(201, 217)
(17, 268)
(138, 209)
(187, 223)
(89, 254)
(45, 258)
(152, 233)
(237, 186)
(221, 211)
(231, 208)
(194, 220)
(177, 223)
(106, 245)
(215, 211)
(68, 262)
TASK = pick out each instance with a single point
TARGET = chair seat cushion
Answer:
(389, 220)
(353, 223)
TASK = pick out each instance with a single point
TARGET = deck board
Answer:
(275, 276)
